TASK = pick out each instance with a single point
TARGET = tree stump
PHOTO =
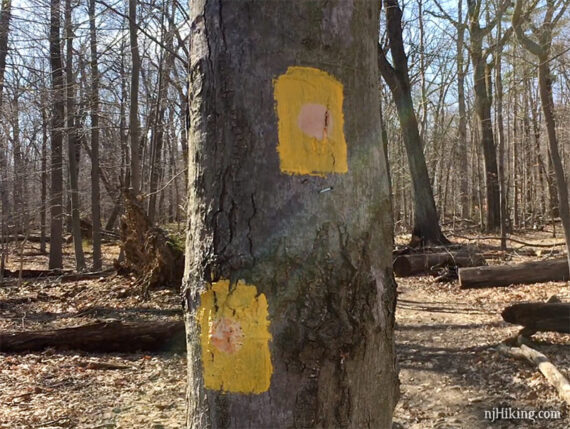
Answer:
(149, 252)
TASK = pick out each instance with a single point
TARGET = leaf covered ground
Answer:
(450, 372)
(446, 337)
(69, 389)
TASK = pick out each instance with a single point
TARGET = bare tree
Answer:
(135, 173)
(5, 17)
(72, 141)
(540, 47)
(157, 128)
(57, 126)
(483, 91)
(426, 223)
(94, 107)
(44, 172)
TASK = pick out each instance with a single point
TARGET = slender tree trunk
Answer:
(501, 141)
(545, 87)
(288, 290)
(44, 176)
(483, 110)
(157, 142)
(482, 93)
(19, 176)
(516, 148)
(426, 222)
(541, 166)
(72, 142)
(95, 191)
(125, 178)
(135, 173)
(462, 125)
(384, 139)
(424, 102)
(426, 228)
(156, 146)
(5, 17)
(541, 50)
(57, 125)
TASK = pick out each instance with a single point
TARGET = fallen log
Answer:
(430, 263)
(539, 360)
(539, 316)
(107, 336)
(505, 275)
(28, 274)
(32, 238)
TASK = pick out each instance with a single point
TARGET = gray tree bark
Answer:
(482, 92)
(72, 142)
(44, 175)
(501, 138)
(462, 126)
(426, 228)
(135, 166)
(541, 49)
(5, 17)
(95, 190)
(57, 125)
(311, 248)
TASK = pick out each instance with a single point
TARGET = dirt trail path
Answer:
(449, 371)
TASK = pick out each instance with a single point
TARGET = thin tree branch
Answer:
(143, 31)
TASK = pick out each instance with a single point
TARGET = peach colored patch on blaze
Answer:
(226, 335)
(315, 120)
(309, 107)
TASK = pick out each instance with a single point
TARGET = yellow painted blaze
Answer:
(311, 122)
(235, 338)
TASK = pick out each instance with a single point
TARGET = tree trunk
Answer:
(482, 93)
(483, 110)
(72, 142)
(288, 289)
(19, 175)
(545, 87)
(135, 173)
(157, 139)
(44, 176)
(501, 140)
(541, 49)
(426, 223)
(95, 192)
(57, 124)
(462, 111)
(426, 228)
(5, 17)
(125, 178)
